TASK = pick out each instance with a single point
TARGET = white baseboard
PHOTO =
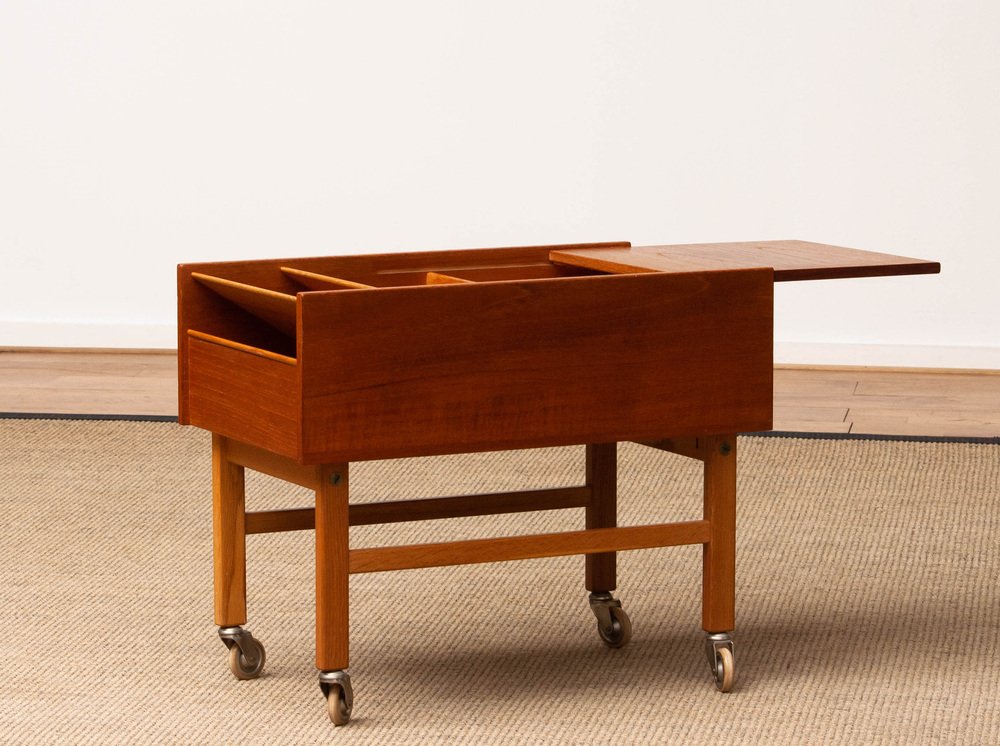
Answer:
(887, 356)
(164, 336)
(87, 335)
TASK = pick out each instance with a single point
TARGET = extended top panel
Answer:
(791, 260)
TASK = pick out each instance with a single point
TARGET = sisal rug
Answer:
(868, 602)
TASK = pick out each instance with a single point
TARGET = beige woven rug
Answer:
(868, 603)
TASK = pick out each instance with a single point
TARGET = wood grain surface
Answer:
(481, 366)
(791, 260)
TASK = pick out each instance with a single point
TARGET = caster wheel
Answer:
(725, 669)
(247, 662)
(337, 707)
(336, 687)
(620, 631)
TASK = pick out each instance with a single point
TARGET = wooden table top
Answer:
(791, 260)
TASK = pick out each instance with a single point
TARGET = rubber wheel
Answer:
(621, 629)
(238, 663)
(725, 669)
(337, 705)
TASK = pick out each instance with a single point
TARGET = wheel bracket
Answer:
(244, 640)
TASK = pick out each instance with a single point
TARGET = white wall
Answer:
(135, 135)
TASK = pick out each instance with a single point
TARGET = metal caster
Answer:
(336, 687)
(613, 624)
(721, 659)
(246, 653)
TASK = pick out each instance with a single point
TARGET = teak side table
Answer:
(300, 366)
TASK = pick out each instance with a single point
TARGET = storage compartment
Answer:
(253, 303)
(345, 358)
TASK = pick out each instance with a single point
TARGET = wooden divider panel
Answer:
(270, 306)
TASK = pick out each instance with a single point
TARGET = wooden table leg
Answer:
(229, 536)
(602, 479)
(613, 624)
(332, 590)
(246, 653)
(332, 567)
(719, 583)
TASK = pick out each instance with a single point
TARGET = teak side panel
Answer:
(467, 367)
(243, 396)
(791, 260)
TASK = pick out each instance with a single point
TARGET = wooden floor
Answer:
(818, 400)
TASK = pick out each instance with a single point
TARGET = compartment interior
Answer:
(262, 309)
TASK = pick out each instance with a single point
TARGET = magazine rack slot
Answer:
(259, 352)
(273, 308)
(317, 281)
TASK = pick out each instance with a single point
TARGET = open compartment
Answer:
(328, 359)
(238, 330)
(252, 304)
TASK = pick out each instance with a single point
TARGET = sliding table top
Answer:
(791, 260)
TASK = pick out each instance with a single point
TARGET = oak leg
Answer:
(719, 583)
(602, 512)
(229, 536)
(332, 567)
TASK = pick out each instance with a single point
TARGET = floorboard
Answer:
(813, 400)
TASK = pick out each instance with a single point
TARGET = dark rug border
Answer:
(64, 416)
(760, 434)
(877, 436)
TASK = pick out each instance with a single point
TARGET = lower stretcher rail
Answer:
(458, 506)
(534, 546)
